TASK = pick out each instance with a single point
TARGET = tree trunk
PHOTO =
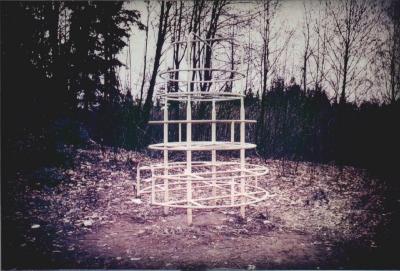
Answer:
(145, 54)
(345, 69)
(162, 30)
(261, 119)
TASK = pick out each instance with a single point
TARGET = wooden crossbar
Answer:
(200, 121)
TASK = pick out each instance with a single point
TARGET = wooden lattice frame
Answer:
(201, 184)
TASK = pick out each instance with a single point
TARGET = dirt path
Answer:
(167, 243)
(87, 216)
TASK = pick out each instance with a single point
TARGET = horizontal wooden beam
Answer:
(200, 121)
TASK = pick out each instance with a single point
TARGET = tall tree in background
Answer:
(216, 12)
(388, 53)
(307, 46)
(28, 56)
(145, 52)
(178, 32)
(67, 51)
(85, 62)
(352, 26)
(318, 52)
(165, 8)
(269, 8)
(178, 29)
(98, 33)
(114, 26)
(269, 56)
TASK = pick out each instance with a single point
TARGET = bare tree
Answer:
(307, 46)
(270, 55)
(319, 48)
(388, 53)
(216, 12)
(165, 7)
(352, 25)
(178, 32)
(145, 51)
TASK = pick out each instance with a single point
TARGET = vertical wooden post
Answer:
(213, 152)
(138, 180)
(189, 136)
(189, 160)
(166, 189)
(232, 131)
(242, 156)
(153, 186)
(180, 132)
(233, 191)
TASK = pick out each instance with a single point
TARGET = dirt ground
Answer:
(86, 215)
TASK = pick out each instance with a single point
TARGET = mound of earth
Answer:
(87, 216)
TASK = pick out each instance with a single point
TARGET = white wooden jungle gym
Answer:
(201, 184)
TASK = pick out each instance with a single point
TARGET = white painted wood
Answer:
(165, 135)
(202, 146)
(201, 121)
(138, 188)
(189, 160)
(153, 180)
(189, 136)
(180, 132)
(232, 131)
(213, 152)
(242, 157)
(202, 184)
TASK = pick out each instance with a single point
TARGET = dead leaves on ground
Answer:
(322, 200)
